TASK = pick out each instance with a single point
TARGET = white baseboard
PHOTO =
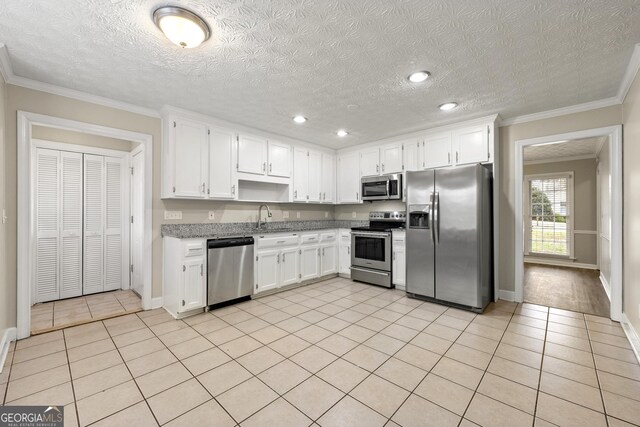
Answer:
(156, 302)
(7, 336)
(507, 295)
(560, 263)
(605, 286)
(632, 335)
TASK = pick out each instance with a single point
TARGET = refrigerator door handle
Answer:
(431, 219)
(436, 217)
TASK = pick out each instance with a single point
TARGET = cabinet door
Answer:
(289, 266)
(221, 164)
(267, 268)
(370, 162)
(349, 178)
(71, 225)
(345, 254)
(315, 176)
(114, 207)
(279, 159)
(252, 155)
(93, 265)
(391, 158)
(191, 145)
(193, 285)
(310, 262)
(300, 175)
(411, 153)
(437, 151)
(399, 264)
(471, 145)
(328, 177)
(329, 264)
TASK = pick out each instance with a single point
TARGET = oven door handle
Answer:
(370, 234)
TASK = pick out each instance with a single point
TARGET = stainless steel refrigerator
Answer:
(449, 235)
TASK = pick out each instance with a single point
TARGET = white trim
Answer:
(615, 134)
(605, 286)
(10, 78)
(579, 108)
(26, 120)
(84, 149)
(593, 232)
(560, 159)
(629, 74)
(507, 295)
(156, 302)
(559, 262)
(632, 335)
(8, 335)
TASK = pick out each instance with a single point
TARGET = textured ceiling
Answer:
(573, 148)
(269, 60)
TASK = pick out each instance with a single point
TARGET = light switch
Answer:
(298, 215)
(326, 214)
(212, 215)
(172, 214)
(285, 214)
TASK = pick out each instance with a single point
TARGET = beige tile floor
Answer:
(336, 353)
(56, 315)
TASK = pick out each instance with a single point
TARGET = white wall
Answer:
(604, 214)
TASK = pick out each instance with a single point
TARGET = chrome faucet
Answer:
(269, 214)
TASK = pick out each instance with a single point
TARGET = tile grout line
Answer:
(73, 390)
(595, 366)
(544, 346)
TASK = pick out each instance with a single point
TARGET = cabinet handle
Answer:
(184, 268)
(322, 251)
(456, 157)
(357, 196)
(202, 269)
(394, 256)
(264, 167)
(283, 258)
(278, 258)
(270, 167)
(383, 167)
(377, 168)
(203, 187)
(319, 196)
(449, 158)
(348, 250)
(295, 194)
(233, 189)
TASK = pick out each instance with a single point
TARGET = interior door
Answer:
(191, 143)
(315, 176)
(279, 159)
(392, 161)
(221, 170)
(437, 151)
(94, 208)
(300, 175)
(137, 229)
(71, 225)
(47, 252)
(114, 227)
(252, 155)
(289, 266)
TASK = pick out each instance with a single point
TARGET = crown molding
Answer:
(629, 74)
(579, 108)
(10, 78)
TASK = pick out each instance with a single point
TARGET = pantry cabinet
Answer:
(348, 178)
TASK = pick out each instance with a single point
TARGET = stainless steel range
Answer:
(371, 248)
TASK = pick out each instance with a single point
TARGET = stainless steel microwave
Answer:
(385, 187)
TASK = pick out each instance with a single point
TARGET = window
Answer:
(550, 217)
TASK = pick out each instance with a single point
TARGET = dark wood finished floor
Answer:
(572, 289)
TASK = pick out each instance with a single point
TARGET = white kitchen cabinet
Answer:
(190, 140)
(252, 154)
(437, 150)
(279, 156)
(289, 266)
(300, 175)
(222, 182)
(344, 262)
(349, 178)
(328, 259)
(315, 176)
(184, 275)
(391, 158)
(412, 155)
(471, 145)
(309, 262)
(370, 162)
(328, 178)
(399, 260)
(268, 270)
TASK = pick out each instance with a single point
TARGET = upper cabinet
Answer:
(190, 160)
(259, 156)
(436, 150)
(348, 178)
(222, 182)
(309, 170)
(328, 178)
(391, 158)
(412, 154)
(472, 145)
(370, 162)
(279, 156)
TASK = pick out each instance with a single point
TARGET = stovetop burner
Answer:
(384, 222)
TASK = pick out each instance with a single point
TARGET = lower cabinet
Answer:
(289, 266)
(329, 259)
(399, 266)
(344, 249)
(276, 268)
(309, 262)
(185, 279)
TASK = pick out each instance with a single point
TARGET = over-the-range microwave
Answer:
(385, 187)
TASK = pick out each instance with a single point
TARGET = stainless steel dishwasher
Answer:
(229, 269)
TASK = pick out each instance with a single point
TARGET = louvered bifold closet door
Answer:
(94, 206)
(71, 225)
(47, 188)
(113, 224)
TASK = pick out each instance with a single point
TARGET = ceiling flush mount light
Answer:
(181, 26)
(299, 119)
(418, 76)
(448, 106)
(342, 133)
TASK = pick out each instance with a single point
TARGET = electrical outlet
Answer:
(285, 214)
(353, 215)
(326, 214)
(212, 215)
(297, 214)
(172, 214)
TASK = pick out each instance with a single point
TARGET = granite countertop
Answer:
(236, 229)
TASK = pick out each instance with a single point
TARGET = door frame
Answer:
(139, 150)
(615, 150)
(26, 121)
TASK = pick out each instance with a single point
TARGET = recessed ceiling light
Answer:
(448, 106)
(342, 133)
(419, 76)
(181, 26)
(299, 119)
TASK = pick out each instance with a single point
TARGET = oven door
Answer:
(371, 250)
